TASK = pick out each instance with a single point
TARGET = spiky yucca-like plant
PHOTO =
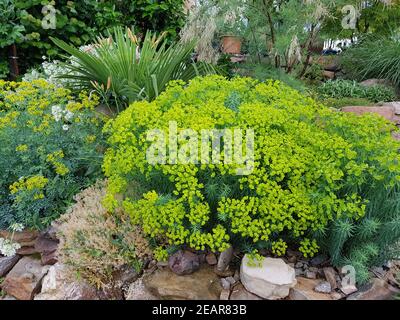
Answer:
(124, 70)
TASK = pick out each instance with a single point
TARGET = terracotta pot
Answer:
(231, 44)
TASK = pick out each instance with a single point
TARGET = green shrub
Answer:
(51, 147)
(266, 71)
(339, 89)
(373, 57)
(312, 167)
(344, 102)
(123, 71)
(10, 30)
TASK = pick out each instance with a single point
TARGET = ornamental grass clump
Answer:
(312, 167)
(51, 147)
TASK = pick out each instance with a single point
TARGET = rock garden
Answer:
(198, 150)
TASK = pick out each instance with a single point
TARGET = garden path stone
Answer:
(304, 290)
(204, 284)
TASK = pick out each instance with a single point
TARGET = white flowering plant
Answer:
(8, 247)
(52, 70)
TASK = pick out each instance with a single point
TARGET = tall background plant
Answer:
(123, 69)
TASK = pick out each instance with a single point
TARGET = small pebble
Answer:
(236, 276)
(336, 296)
(231, 280)
(211, 259)
(323, 287)
(225, 284)
(225, 295)
(298, 272)
(313, 269)
(348, 289)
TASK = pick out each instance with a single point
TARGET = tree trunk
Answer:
(272, 31)
(14, 70)
(308, 48)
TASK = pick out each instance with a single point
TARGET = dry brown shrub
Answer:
(96, 243)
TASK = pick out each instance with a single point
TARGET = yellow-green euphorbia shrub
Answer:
(311, 166)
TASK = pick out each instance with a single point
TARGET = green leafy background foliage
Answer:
(79, 22)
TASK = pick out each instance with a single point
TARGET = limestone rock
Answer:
(374, 82)
(304, 290)
(337, 295)
(228, 272)
(395, 105)
(311, 275)
(25, 238)
(211, 259)
(225, 294)
(240, 293)
(236, 275)
(138, 291)
(25, 279)
(26, 251)
(323, 287)
(225, 284)
(232, 280)
(204, 284)
(47, 248)
(348, 289)
(272, 279)
(387, 112)
(6, 264)
(59, 285)
(184, 262)
(224, 259)
(330, 276)
(377, 289)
